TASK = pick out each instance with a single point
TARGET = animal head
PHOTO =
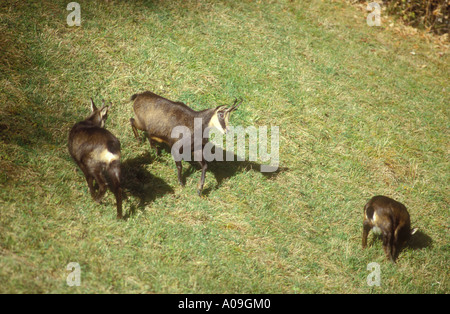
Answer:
(98, 116)
(221, 116)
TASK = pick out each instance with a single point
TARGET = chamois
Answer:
(390, 218)
(96, 150)
(158, 116)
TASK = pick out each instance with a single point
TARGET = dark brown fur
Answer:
(91, 146)
(157, 116)
(392, 219)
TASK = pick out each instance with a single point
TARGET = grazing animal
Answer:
(390, 218)
(158, 116)
(96, 151)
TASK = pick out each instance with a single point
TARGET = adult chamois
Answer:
(158, 117)
(390, 218)
(96, 151)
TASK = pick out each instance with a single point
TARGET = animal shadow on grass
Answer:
(138, 181)
(223, 170)
(419, 240)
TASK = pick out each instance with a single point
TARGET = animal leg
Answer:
(134, 128)
(89, 179)
(153, 145)
(396, 247)
(366, 230)
(114, 175)
(387, 245)
(100, 179)
(179, 169)
(204, 166)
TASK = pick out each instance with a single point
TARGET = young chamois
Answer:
(390, 218)
(158, 116)
(96, 150)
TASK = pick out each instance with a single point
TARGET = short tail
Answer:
(369, 212)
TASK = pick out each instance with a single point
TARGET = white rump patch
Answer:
(108, 157)
(376, 230)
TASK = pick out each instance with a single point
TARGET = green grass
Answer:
(359, 115)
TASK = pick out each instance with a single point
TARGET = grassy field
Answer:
(361, 110)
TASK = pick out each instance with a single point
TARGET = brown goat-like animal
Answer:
(390, 218)
(96, 150)
(158, 116)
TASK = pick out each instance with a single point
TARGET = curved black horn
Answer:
(234, 104)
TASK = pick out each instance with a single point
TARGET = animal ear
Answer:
(104, 111)
(414, 230)
(93, 107)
